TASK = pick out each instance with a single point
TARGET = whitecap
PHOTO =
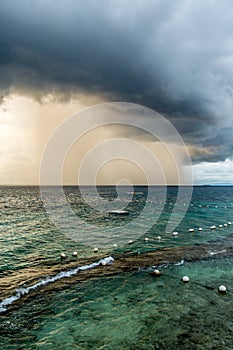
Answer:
(20, 292)
(217, 252)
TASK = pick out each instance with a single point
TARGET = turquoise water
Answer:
(131, 310)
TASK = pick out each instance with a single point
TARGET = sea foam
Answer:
(20, 292)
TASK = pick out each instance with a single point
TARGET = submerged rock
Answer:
(123, 262)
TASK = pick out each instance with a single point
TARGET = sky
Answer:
(58, 57)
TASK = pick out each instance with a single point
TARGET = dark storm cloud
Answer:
(173, 56)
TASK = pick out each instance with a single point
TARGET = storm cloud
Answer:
(173, 56)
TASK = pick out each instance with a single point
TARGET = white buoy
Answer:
(229, 223)
(104, 263)
(222, 289)
(114, 245)
(200, 229)
(175, 234)
(130, 241)
(220, 226)
(213, 227)
(185, 279)
(191, 230)
(157, 273)
(75, 254)
(146, 239)
(225, 225)
(63, 255)
(158, 238)
(96, 250)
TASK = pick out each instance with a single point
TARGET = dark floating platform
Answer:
(125, 262)
(119, 212)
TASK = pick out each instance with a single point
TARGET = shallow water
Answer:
(131, 310)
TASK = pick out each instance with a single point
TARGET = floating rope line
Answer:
(221, 289)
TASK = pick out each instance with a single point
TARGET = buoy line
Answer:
(190, 230)
(222, 289)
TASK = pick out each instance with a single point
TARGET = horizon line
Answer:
(114, 185)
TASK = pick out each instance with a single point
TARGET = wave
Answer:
(165, 265)
(217, 252)
(181, 262)
(64, 274)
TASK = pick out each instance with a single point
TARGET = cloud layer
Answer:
(173, 56)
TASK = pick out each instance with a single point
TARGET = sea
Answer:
(131, 309)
